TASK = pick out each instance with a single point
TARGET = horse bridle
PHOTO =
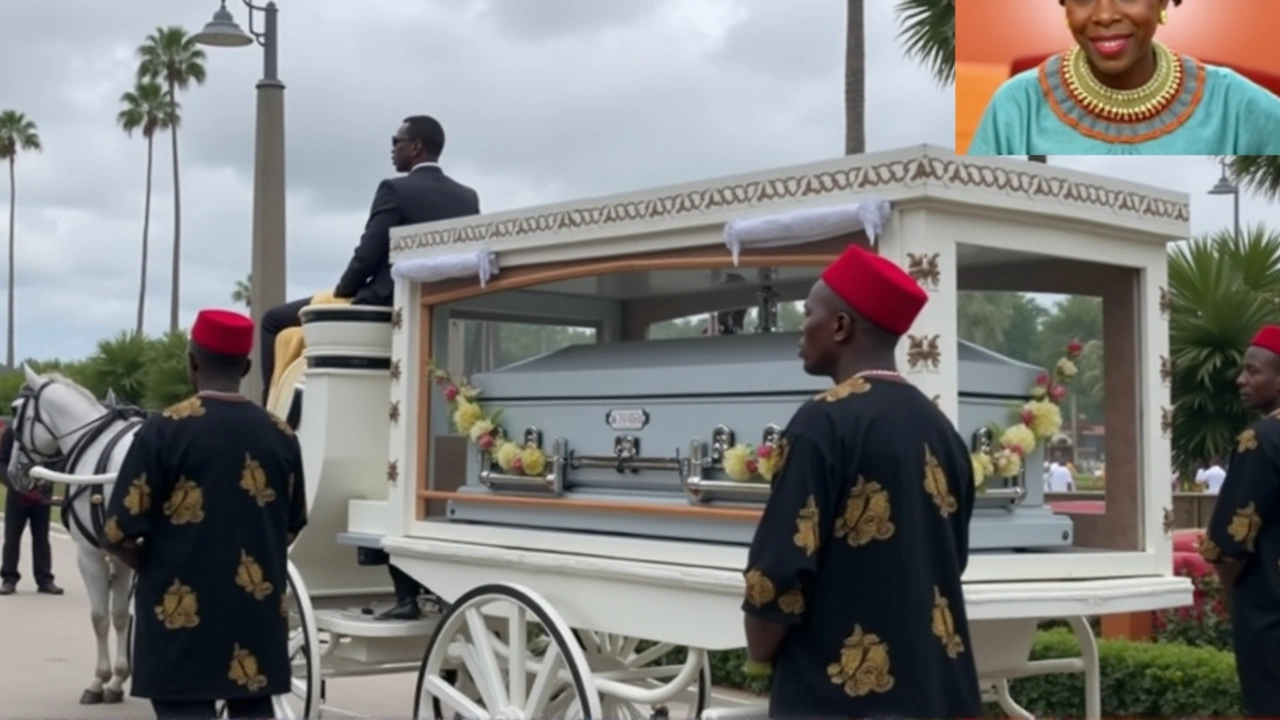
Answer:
(26, 423)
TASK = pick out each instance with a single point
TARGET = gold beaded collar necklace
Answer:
(1125, 106)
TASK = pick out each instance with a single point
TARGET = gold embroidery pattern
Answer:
(251, 577)
(138, 500)
(284, 605)
(254, 481)
(944, 625)
(806, 537)
(1245, 525)
(179, 608)
(792, 602)
(185, 505)
(189, 408)
(760, 590)
(281, 424)
(111, 531)
(866, 514)
(935, 483)
(245, 671)
(852, 386)
(1248, 440)
(864, 665)
(1209, 550)
(954, 172)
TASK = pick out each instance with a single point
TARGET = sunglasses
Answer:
(396, 140)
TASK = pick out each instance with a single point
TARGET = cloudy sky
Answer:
(542, 100)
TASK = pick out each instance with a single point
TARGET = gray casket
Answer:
(634, 433)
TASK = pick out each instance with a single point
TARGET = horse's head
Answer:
(50, 413)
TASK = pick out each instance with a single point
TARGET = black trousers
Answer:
(254, 707)
(407, 589)
(16, 516)
(275, 321)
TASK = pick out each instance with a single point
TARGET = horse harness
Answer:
(95, 429)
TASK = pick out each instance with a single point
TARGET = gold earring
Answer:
(1164, 16)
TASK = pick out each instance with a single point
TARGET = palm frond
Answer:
(928, 32)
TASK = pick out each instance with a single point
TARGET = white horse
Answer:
(63, 433)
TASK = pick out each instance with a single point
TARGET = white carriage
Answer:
(589, 579)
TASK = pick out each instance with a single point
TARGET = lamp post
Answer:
(267, 266)
(1226, 187)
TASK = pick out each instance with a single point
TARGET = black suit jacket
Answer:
(423, 195)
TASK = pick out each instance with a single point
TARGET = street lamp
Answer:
(1226, 187)
(267, 266)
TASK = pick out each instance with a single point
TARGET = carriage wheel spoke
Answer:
(487, 670)
(544, 683)
(453, 697)
(517, 672)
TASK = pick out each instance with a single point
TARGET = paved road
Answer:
(49, 656)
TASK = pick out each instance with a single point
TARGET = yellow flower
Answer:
(1067, 369)
(468, 393)
(1038, 392)
(533, 461)
(479, 429)
(1007, 463)
(982, 468)
(1019, 436)
(1043, 417)
(506, 455)
(467, 415)
(769, 465)
(735, 462)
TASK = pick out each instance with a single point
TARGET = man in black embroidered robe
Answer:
(853, 580)
(1243, 537)
(207, 501)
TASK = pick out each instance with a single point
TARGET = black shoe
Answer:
(402, 611)
(8, 588)
(49, 589)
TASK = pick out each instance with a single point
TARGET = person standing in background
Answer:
(1211, 478)
(20, 509)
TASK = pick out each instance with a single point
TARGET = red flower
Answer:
(1057, 392)
(752, 466)
(441, 379)
(1073, 348)
(1042, 380)
(764, 451)
(517, 465)
(451, 393)
(1027, 417)
(485, 442)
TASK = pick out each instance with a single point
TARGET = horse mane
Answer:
(73, 385)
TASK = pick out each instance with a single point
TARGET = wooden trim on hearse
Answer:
(814, 254)
(595, 505)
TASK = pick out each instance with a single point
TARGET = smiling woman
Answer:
(1119, 91)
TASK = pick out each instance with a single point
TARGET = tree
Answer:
(170, 56)
(240, 293)
(1221, 290)
(147, 109)
(928, 31)
(17, 134)
(1260, 174)
(855, 80)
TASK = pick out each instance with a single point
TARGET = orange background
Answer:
(991, 34)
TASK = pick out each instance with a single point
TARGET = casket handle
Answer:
(701, 490)
(551, 483)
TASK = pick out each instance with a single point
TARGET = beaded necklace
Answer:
(1134, 105)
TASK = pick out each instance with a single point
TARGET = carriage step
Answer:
(376, 641)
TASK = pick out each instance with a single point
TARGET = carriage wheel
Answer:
(466, 670)
(646, 665)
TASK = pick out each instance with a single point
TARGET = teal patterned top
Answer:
(1216, 111)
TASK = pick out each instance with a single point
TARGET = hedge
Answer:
(1139, 679)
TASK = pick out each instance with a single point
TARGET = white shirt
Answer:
(1059, 479)
(1212, 478)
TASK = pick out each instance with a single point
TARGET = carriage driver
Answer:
(206, 503)
(853, 600)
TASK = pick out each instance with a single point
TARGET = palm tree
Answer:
(1222, 289)
(1259, 173)
(147, 108)
(929, 34)
(855, 80)
(17, 134)
(240, 293)
(169, 55)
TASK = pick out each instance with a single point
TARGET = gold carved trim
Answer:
(393, 471)
(923, 353)
(1166, 421)
(955, 172)
(923, 268)
(393, 414)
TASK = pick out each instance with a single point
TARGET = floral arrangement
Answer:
(747, 463)
(471, 419)
(1039, 419)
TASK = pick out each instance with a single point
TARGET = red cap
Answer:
(876, 289)
(223, 331)
(1268, 338)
